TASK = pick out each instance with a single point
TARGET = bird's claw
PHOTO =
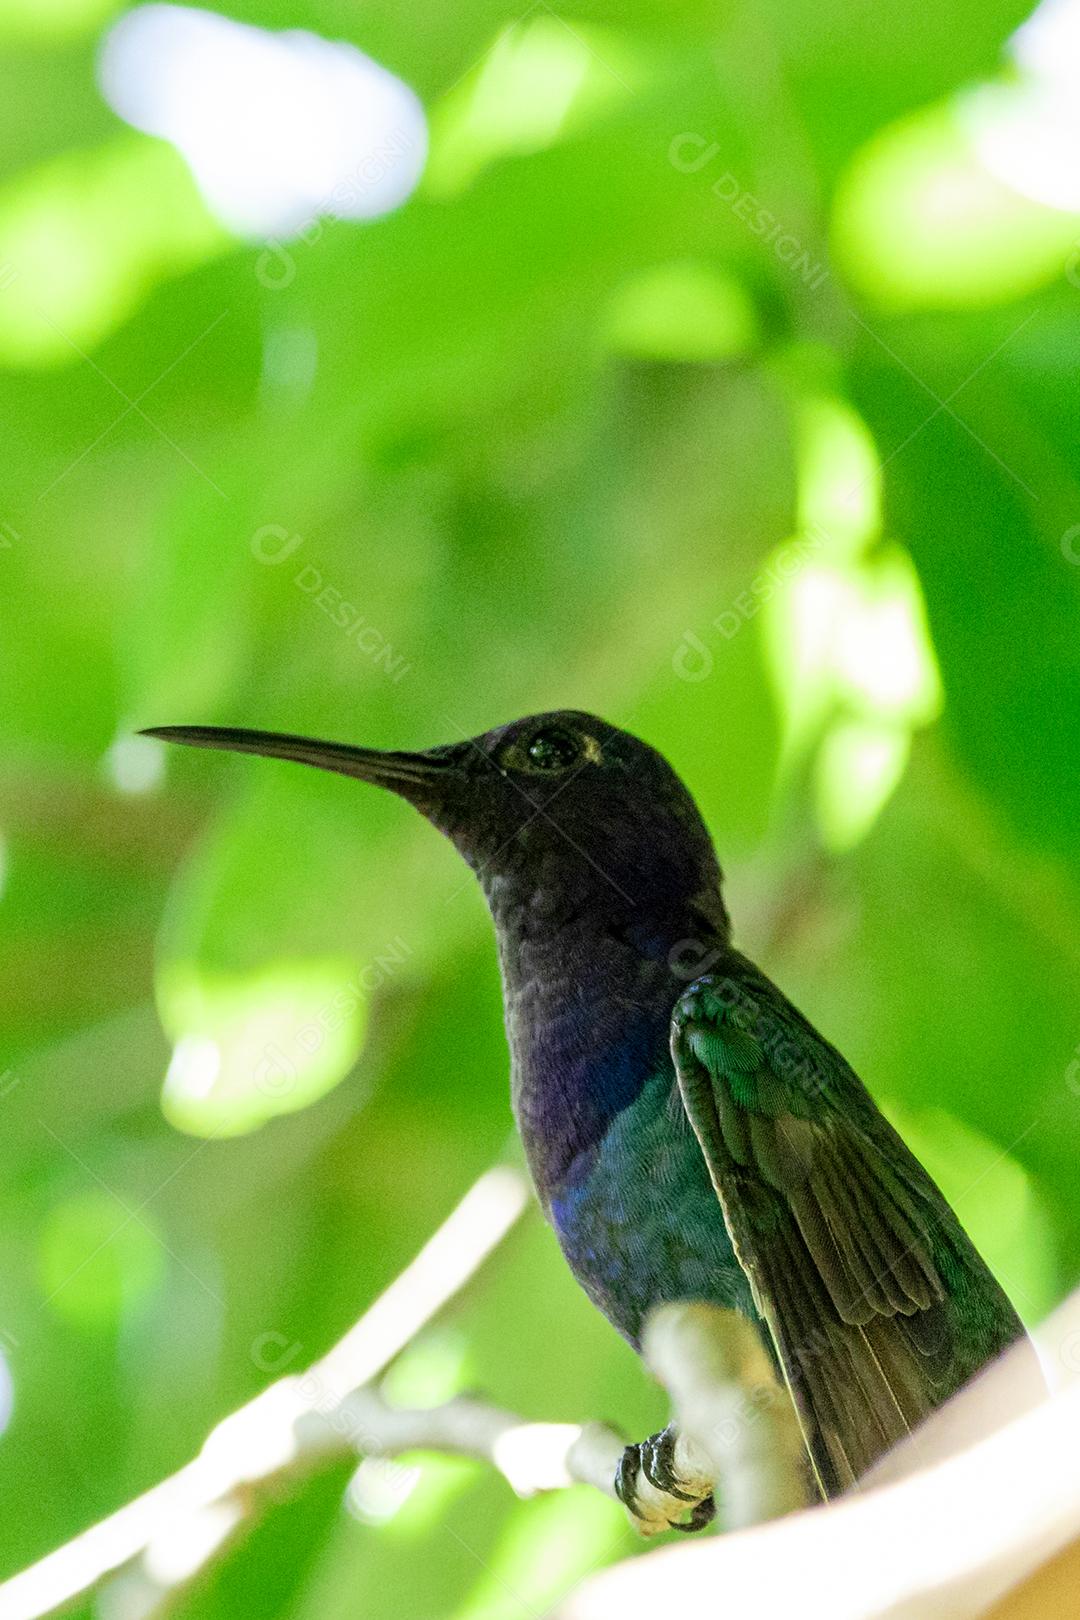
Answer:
(663, 1503)
(701, 1514)
(658, 1464)
(626, 1478)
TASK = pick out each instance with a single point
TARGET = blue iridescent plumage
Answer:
(638, 1219)
(689, 1132)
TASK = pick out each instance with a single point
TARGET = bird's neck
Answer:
(588, 1000)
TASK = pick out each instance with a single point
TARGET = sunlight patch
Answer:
(249, 1047)
(53, 20)
(858, 766)
(845, 632)
(839, 476)
(84, 238)
(854, 639)
(1027, 131)
(883, 658)
(277, 128)
(681, 312)
(540, 79)
(921, 221)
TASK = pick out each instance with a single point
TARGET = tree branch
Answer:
(711, 1362)
(178, 1525)
(974, 1503)
(946, 1498)
(737, 1426)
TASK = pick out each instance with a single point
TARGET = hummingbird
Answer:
(690, 1134)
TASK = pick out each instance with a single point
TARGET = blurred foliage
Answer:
(709, 381)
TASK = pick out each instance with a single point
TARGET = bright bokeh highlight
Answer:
(1027, 131)
(53, 20)
(135, 764)
(839, 477)
(681, 312)
(845, 631)
(919, 221)
(249, 1047)
(539, 80)
(858, 767)
(85, 237)
(278, 129)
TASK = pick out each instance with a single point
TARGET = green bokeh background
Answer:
(568, 428)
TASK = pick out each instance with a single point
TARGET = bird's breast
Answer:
(613, 1156)
(638, 1219)
(586, 1031)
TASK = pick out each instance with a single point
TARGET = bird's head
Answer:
(559, 809)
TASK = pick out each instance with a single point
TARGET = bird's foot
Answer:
(655, 1495)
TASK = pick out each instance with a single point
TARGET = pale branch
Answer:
(943, 1534)
(197, 1508)
(737, 1427)
(709, 1361)
(979, 1509)
(531, 1457)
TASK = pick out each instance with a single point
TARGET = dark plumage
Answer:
(690, 1134)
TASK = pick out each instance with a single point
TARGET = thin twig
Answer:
(961, 1518)
(709, 1360)
(198, 1507)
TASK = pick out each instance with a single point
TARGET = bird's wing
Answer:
(836, 1233)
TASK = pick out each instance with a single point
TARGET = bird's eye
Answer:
(554, 749)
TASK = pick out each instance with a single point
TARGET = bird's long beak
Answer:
(415, 777)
